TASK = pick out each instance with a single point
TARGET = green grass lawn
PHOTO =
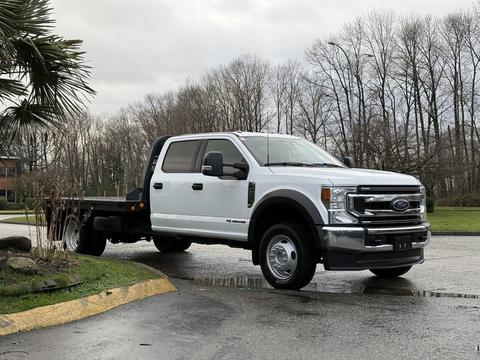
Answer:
(455, 219)
(99, 273)
(24, 219)
(13, 212)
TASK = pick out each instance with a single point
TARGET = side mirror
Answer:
(348, 161)
(213, 164)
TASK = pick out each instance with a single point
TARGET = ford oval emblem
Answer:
(400, 205)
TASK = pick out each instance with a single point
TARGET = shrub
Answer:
(14, 206)
(29, 203)
(468, 200)
(3, 203)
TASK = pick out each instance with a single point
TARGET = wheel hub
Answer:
(282, 257)
(72, 235)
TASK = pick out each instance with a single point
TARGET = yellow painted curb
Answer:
(78, 309)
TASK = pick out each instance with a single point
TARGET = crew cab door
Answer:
(171, 187)
(219, 204)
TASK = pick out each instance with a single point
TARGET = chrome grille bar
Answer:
(376, 208)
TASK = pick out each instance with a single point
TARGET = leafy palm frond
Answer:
(11, 87)
(25, 17)
(27, 115)
(56, 72)
(42, 74)
(21, 18)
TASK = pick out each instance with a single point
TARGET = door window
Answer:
(181, 156)
(231, 154)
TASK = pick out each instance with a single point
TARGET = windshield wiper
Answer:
(325, 165)
(287, 163)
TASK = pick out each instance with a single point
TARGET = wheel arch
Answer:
(273, 206)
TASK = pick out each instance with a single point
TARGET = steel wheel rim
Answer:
(282, 257)
(72, 235)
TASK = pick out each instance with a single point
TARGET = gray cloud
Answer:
(143, 46)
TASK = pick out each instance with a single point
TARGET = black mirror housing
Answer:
(348, 161)
(213, 164)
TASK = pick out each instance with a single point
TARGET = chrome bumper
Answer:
(352, 239)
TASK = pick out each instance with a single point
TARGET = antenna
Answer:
(268, 148)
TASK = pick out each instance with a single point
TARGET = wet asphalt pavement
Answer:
(227, 323)
(431, 313)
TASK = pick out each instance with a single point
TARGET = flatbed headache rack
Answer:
(136, 200)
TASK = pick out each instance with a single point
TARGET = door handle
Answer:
(158, 186)
(197, 186)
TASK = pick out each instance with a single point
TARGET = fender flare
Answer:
(284, 196)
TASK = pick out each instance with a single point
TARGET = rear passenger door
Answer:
(171, 187)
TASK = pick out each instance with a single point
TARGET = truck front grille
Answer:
(375, 205)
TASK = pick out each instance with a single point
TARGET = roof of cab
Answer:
(236, 133)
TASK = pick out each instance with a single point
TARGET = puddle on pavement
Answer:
(371, 285)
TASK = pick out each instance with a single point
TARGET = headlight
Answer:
(335, 200)
(423, 204)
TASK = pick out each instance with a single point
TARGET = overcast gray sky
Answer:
(143, 46)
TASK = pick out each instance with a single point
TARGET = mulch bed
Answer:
(60, 262)
(53, 273)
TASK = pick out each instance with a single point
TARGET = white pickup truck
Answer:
(288, 201)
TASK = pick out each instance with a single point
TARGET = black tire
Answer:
(94, 242)
(391, 273)
(171, 244)
(90, 241)
(287, 242)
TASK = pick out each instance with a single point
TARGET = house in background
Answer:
(9, 169)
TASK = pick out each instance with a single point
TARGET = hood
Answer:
(347, 176)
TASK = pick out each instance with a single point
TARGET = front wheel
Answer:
(391, 273)
(287, 258)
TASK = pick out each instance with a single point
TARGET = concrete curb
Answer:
(61, 313)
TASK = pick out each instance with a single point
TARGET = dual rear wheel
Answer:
(82, 238)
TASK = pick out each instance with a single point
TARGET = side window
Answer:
(181, 157)
(231, 155)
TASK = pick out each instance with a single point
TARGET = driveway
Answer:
(11, 230)
(340, 315)
(225, 323)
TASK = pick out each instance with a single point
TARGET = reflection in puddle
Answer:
(396, 286)
(370, 285)
(343, 287)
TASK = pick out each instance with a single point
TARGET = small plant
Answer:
(50, 190)
(3, 203)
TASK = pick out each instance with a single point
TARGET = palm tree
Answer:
(43, 77)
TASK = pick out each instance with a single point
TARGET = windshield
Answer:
(288, 151)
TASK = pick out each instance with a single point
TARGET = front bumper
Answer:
(359, 248)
